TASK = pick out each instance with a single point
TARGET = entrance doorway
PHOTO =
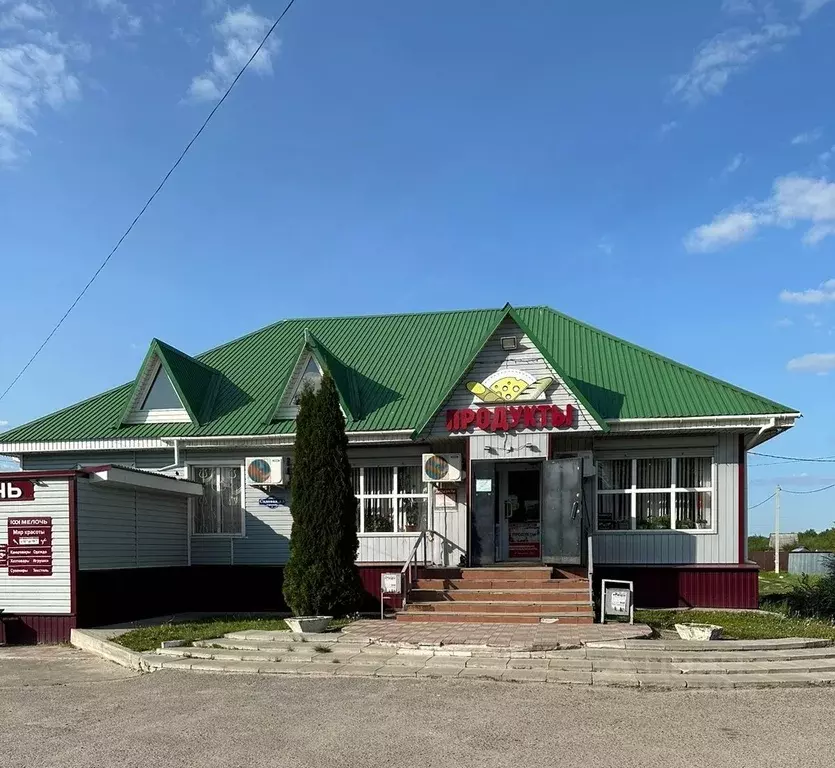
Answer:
(519, 513)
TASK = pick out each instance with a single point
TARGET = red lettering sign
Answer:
(4, 559)
(17, 490)
(502, 418)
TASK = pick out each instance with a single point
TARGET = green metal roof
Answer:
(394, 371)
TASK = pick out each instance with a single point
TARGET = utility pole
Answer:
(777, 530)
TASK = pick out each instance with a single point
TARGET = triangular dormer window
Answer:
(161, 394)
(313, 361)
(171, 387)
(156, 400)
(311, 377)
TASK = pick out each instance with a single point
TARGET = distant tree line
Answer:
(816, 541)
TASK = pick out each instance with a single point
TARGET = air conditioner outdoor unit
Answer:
(265, 471)
(442, 467)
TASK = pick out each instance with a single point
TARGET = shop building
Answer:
(513, 436)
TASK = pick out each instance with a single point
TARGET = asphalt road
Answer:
(104, 717)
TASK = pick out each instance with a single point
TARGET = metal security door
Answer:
(562, 511)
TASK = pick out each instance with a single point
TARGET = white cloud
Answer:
(239, 31)
(667, 127)
(794, 199)
(33, 76)
(815, 362)
(824, 293)
(809, 7)
(807, 137)
(4, 423)
(724, 55)
(22, 15)
(784, 322)
(605, 245)
(735, 162)
(726, 228)
(123, 23)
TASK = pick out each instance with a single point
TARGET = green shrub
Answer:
(814, 598)
(321, 577)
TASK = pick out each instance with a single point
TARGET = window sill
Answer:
(218, 535)
(374, 534)
(662, 531)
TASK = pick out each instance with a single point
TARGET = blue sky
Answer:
(661, 170)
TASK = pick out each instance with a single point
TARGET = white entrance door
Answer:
(519, 536)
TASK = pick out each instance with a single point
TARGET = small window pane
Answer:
(614, 474)
(218, 510)
(654, 473)
(693, 510)
(410, 480)
(379, 480)
(412, 514)
(693, 472)
(653, 511)
(312, 377)
(161, 394)
(205, 506)
(230, 499)
(355, 479)
(379, 515)
(614, 512)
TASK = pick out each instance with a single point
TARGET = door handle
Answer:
(508, 510)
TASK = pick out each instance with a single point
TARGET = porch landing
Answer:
(513, 637)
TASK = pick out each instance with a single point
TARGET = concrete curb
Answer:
(98, 642)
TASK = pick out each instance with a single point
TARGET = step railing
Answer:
(406, 571)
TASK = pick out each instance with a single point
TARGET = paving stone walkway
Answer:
(609, 662)
(511, 636)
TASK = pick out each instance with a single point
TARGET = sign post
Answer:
(390, 584)
(617, 599)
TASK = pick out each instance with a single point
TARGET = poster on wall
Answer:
(29, 549)
(523, 541)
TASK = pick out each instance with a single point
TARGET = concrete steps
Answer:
(506, 595)
(496, 618)
(646, 664)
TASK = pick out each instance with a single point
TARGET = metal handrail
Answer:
(406, 570)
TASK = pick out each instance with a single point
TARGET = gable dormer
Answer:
(312, 363)
(171, 387)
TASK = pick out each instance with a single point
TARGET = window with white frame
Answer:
(390, 499)
(655, 494)
(220, 509)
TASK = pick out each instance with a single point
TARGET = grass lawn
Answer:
(149, 638)
(740, 625)
(779, 584)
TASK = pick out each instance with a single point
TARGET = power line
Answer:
(823, 459)
(148, 201)
(764, 501)
(816, 490)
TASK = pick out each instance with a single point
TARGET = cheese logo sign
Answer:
(510, 385)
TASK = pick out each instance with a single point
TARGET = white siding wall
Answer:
(509, 446)
(40, 594)
(267, 531)
(527, 358)
(124, 528)
(680, 546)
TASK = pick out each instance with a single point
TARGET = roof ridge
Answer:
(357, 317)
(664, 358)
